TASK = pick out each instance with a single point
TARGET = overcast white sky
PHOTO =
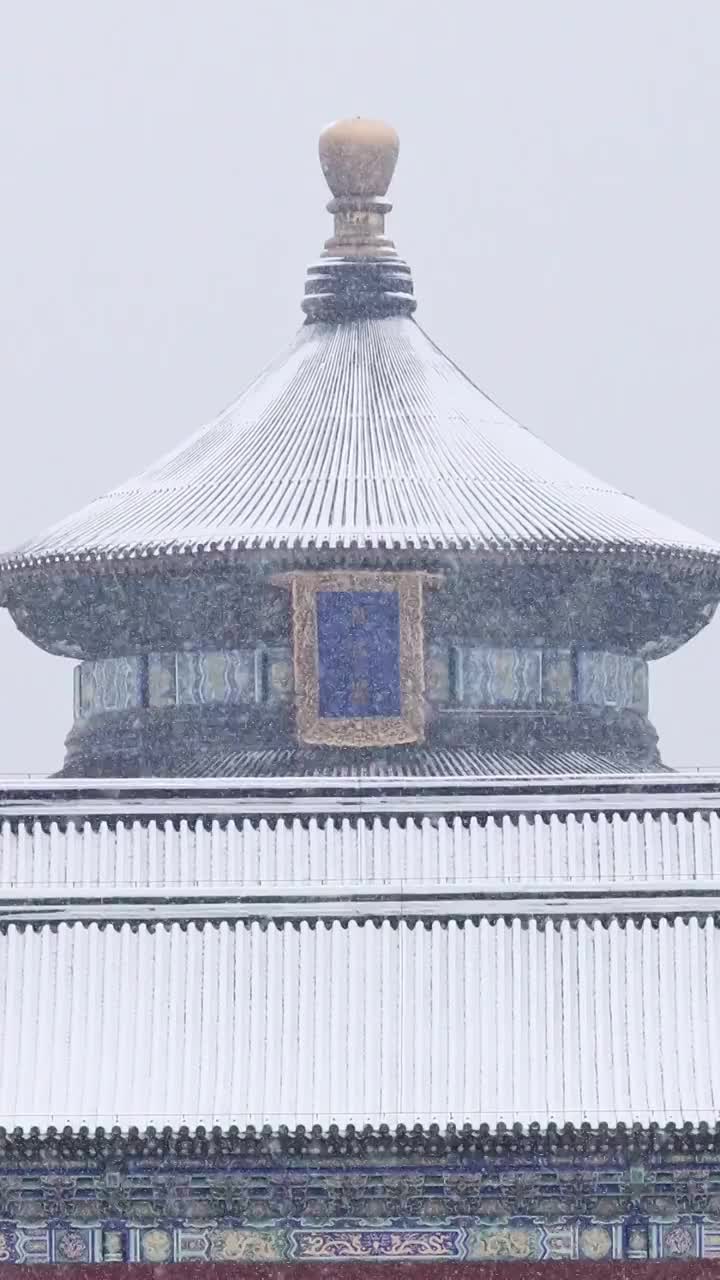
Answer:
(557, 197)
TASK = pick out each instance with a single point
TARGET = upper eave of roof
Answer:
(362, 436)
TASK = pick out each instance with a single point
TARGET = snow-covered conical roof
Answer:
(362, 434)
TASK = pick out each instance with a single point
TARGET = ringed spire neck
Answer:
(354, 288)
(359, 229)
(359, 275)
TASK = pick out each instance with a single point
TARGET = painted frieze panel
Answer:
(327, 1245)
(363, 1215)
(359, 669)
(518, 1240)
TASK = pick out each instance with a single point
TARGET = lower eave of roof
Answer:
(332, 798)
(660, 784)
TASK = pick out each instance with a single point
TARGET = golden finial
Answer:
(359, 273)
(358, 157)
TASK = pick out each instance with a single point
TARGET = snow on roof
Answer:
(362, 435)
(226, 957)
(478, 1020)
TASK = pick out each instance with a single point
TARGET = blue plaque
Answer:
(358, 641)
(358, 656)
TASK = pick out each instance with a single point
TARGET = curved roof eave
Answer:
(363, 436)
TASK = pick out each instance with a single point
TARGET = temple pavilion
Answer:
(363, 923)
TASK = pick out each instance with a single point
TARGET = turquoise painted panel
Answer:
(110, 684)
(205, 678)
(612, 680)
(161, 680)
(558, 677)
(502, 677)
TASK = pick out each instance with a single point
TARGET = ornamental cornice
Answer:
(510, 1146)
